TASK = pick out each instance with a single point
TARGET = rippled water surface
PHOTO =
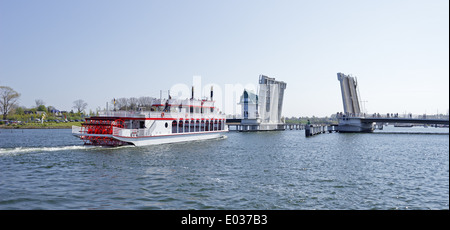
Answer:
(50, 169)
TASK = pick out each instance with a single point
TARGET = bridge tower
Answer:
(351, 121)
(271, 94)
(349, 93)
(262, 112)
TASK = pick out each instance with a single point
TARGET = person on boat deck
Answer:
(166, 107)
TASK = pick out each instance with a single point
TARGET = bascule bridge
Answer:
(353, 120)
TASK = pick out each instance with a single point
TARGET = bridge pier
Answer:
(354, 125)
(368, 124)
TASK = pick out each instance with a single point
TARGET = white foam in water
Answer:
(18, 150)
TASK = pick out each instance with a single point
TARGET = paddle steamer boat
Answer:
(168, 121)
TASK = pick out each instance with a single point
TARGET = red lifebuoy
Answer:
(162, 114)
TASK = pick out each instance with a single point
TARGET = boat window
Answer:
(192, 126)
(186, 126)
(197, 126)
(180, 127)
(174, 126)
(128, 124)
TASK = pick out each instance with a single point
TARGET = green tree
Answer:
(41, 108)
(20, 110)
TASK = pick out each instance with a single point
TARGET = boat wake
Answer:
(19, 150)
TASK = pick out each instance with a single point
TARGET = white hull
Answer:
(166, 139)
(354, 125)
(156, 139)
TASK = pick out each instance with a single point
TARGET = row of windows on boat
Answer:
(196, 126)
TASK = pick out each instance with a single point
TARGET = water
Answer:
(50, 169)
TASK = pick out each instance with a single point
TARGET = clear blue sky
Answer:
(96, 50)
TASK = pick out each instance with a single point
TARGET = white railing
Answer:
(120, 132)
(121, 113)
(393, 115)
(76, 129)
(117, 131)
(174, 115)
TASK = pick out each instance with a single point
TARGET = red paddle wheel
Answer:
(119, 123)
(101, 131)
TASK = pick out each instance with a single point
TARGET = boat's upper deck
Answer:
(167, 115)
(170, 109)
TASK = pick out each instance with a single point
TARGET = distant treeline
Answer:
(312, 120)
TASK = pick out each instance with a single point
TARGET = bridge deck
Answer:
(405, 120)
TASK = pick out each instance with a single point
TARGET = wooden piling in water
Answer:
(294, 126)
(311, 130)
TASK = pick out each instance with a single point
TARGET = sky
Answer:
(97, 50)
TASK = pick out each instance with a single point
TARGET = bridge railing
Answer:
(395, 115)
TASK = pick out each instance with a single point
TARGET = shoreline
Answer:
(42, 126)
